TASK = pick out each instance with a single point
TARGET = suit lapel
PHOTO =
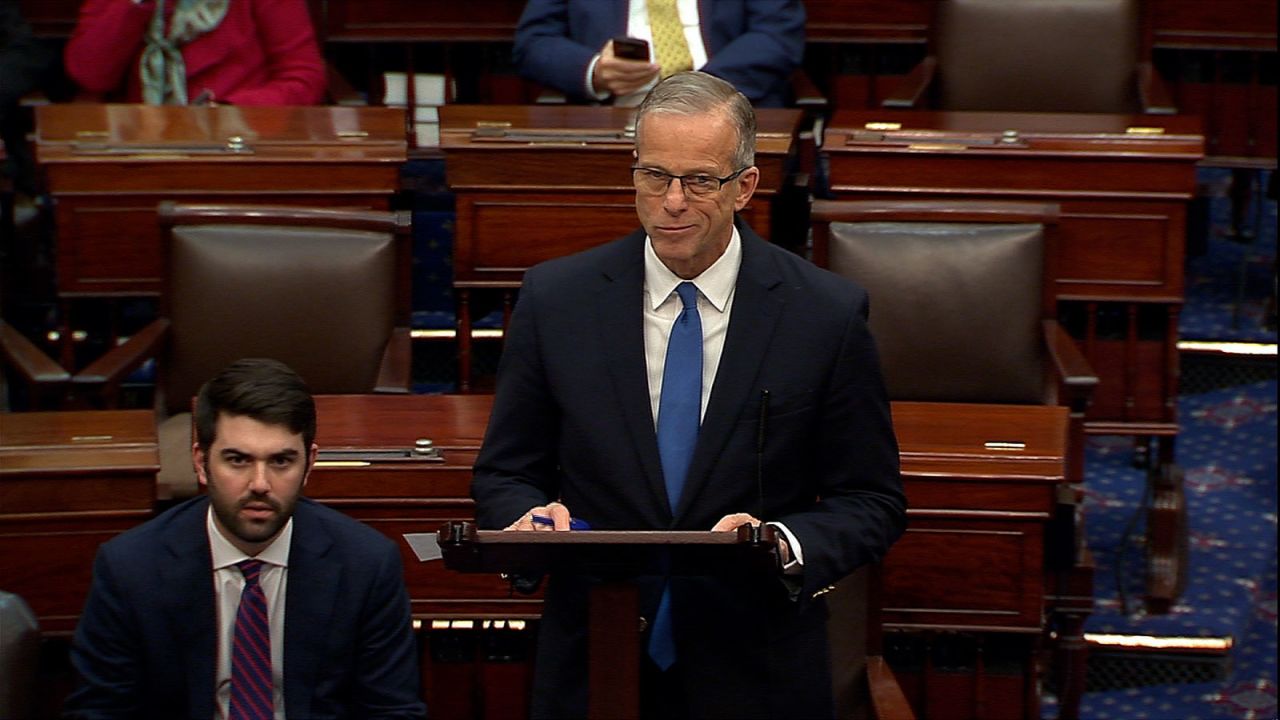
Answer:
(619, 309)
(312, 588)
(190, 615)
(756, 309)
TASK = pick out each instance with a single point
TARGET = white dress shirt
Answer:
(662, 306)
(228, 583)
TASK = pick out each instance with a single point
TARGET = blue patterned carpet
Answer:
(1228, 278)
(1227, 449)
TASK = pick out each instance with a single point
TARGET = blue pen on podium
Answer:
(574, 523)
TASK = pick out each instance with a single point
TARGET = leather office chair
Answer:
(324, 291)
(1035, 56)
(862, 682)
(961, 312)
(960, 307)
(19, 657)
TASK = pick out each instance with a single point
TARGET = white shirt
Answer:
(638, 27)
(662, 306)
(228, 583)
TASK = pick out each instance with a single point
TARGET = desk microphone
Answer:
(760, 430)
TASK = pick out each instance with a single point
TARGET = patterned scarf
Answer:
(164, 73)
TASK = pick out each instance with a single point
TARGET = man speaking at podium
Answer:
(690, 376)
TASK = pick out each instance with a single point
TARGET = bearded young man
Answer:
(250, 601)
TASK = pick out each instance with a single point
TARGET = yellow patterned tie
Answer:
(668, 37)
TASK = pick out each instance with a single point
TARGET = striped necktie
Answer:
(679, 415)
(251, 682)
(669, 45)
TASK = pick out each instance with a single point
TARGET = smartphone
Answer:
(631, 48)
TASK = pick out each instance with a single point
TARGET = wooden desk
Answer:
(973, 558)
(108, 166)
(69, 482)
(412, 494)
(527, 197)
(978, 515)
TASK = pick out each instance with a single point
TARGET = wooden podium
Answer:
(538, 182)
(614, 622)
(107, 166)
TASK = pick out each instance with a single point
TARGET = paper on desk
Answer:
(425, 545)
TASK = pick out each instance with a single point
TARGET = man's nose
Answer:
(258, 478)
(674, 199)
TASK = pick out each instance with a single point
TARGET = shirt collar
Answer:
(715, 283)
(225, 554)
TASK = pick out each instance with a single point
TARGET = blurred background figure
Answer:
(24, 65)
(567, 45)
(179, 52)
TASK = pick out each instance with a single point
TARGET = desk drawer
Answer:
(969, 574)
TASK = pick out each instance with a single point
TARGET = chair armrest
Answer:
(1074, 372)
(104, 375)
(30, 361)
(340, 91)
(1074, 386)
(805, 94)
(912, 91)
(1153, 93)
(887, 700)
(34, 98)
(397, 363)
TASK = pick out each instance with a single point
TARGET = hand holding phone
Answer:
(629, 48)
(623, 67)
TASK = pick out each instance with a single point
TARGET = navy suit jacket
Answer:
(754, 44)
(145, 646)
(572, 420)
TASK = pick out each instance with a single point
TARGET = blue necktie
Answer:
(679, 414)
(251, 681)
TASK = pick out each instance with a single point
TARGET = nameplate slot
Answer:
(930, 140)
(603, 137)
(337, 457)
(98, 148)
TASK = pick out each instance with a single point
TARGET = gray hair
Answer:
(696, 93)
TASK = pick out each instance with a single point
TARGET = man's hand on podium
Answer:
(559, 514)
(732, 522)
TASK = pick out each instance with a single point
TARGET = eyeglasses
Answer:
(655, 182)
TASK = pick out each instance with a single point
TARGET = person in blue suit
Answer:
(156, 636)
(790, 425)
(565, 44)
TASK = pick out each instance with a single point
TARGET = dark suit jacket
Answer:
(754, 44)
(572, 420)
(146, 644)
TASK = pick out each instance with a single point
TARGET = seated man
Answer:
(754, 44)
(180, 52)
(250, 602)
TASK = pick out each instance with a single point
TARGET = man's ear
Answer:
(200, 461)
(312, 456)
(747, 182)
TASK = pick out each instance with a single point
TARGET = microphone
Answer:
(761, 424)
